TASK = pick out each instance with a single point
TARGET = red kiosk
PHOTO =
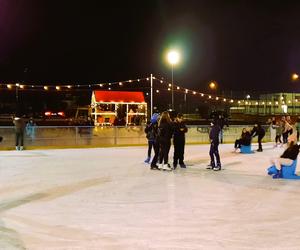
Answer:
(107, 106)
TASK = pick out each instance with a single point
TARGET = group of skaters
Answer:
(161, 129)
(283, 128)
(280, 130)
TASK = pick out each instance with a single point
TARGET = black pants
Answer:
(19, 138)
(259, 139)
(156, 153)
(277, 139)
(178, 151)
(214, 152)
(164, 148)
(237, 143)
(285, 136)
(150, 146)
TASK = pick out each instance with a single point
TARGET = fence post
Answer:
(115, 135)
(76, 134)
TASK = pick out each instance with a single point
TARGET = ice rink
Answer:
(107, 198)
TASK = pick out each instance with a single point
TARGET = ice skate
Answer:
(166, 167)
(154, 167)
(182, 165)
(210, 165)
(147, 160)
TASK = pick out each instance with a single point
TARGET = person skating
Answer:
(179, 141)
(19, 130)
(258, 131)
(221, 121)
(165, 132)
(278, 128)
(214, 147)
(151, 132)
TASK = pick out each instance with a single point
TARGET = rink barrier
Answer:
(89, 136)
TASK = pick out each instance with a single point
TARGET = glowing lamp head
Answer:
(212, 85)
(295, 77)
(173, 57)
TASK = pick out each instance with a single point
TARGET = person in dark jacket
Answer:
(164, 135)
(214, 147)
(289, 155)
(245, 139)
(259, 131)
(151, 133)
(221, 121)
(19, 130)
(179, 141)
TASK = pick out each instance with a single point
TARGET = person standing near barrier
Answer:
(214, 147)
(30, 128)
(278, 128)
(258, 131)
(19, 130)
(287, 130)
(179, 141)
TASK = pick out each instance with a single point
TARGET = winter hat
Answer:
(154, 117)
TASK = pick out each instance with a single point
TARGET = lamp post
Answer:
(173, 59)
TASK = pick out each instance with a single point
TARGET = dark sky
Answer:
(243, 45)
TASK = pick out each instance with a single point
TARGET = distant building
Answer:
(269, 104)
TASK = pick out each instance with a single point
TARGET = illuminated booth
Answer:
(118, 108)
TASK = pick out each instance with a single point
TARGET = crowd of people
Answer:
(161, 129)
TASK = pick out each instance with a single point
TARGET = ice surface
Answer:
(107, 198)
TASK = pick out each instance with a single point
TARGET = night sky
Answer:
(243, 45)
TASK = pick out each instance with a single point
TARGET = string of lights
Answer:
(166, 86)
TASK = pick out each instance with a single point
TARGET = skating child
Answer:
(179, 141)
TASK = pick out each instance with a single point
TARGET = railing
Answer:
(78, 136)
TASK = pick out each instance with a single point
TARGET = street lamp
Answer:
(173, 59)
(212, 85)
(295, 77)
